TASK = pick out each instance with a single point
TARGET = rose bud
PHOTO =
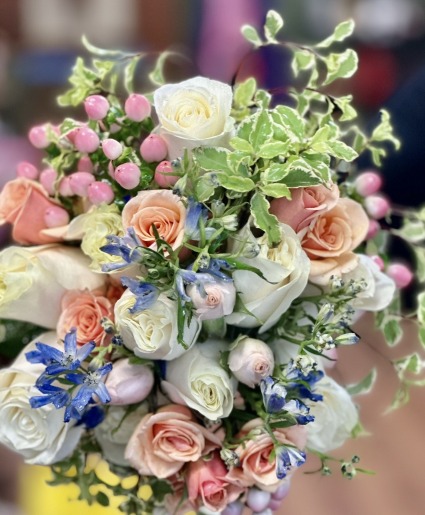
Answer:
(48, 177)
(377, 206)
(127, 175)
(153, 149)
(250, 361)
(99, 192)
(212, 300)
(111, 148)
(129, 384)
(79, 182)
(400, 274)
(56, 216)
(137, 107)
(161, 175)
(257, 500)
(86, 140)
(38, 136)
(96, 107)
(368, 183)
(26, 169)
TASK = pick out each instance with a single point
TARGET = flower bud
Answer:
(377, 206)
(100, 192)
(111, 148)
(26, 169)
(213, 299)
(137, 107)
(257, 500)
(38, 136)
(85, 164)
(56, 216)
(129, 384)
(400, 274)
(378, 261)
(65, 187)
(282, 491)
(250, 361)
(48, 179)
(368, 183)
(153, 149)
(127, 175)
(373, 229)
(96, 107)
(86, 140)
(161, 175)
(79, 182)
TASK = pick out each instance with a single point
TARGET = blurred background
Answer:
(39, 41)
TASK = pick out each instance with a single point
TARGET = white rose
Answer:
(197, 380)
(380, 288)
(194, 113)
(40, 435)
(115, 431)
(251, 360)
(286, 266)
(335, 416)
(152, 333)
(34, 279)
(216, 301)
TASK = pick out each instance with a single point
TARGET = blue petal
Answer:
(70, 342)
(49, 353)
(84, 351)
(76, 378)
(83, 397)
(105, 369)
(40, 400)
(102, 392)
(93, 417)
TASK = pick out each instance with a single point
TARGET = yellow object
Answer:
(145, 492)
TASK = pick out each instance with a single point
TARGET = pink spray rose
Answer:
(164, 441)
(216, 301)
(128, 383)
(251, 360)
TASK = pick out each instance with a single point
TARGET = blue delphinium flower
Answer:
(53, 395)
(303, 384)
(185, 277)
(215, 267)
(194, 214)
(286, 458)
(145, 293)
(127, 247)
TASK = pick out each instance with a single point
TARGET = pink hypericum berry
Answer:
(377, 206)
(137, 107)
(79, 182)
(378, 261)
(65, 187)
(127, 175)
(111, 170)
(26, 169)
(96, 107)
(281, 492)
(368, 183)
(85, 164)
(373, 229)
(165, 181)
(99, 192)
(234, 508)
(153, 149)
(38, 136)
(86, 140)
(48, 178)
(56, 216)
(400, 274)
(111, 148)
(257, 500)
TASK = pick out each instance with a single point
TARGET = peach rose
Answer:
(207, 480)
(305, 205)
(160, 208)
(84, 310)
(24, 203)
(164, 441)
(256, 468)
(330, 242)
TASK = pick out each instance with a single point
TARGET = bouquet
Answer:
(187, 263)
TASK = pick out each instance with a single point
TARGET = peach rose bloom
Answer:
(256, 468)
(84, 310)
(305, 205)
(160, 208)
(164, 441)
(333, 237)
(23, 203)
(207, 480)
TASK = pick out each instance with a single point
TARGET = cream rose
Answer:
(159, 208)
(334, 417)
(115, 431)
(152, 333)
(39, 435)
(164, 441)
(204, 386)
(33, 281)
(215, 301)
(286, 266)
(250, 360)
(194, 113)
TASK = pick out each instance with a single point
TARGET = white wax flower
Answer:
(152, 333)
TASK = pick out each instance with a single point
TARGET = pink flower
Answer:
(305, 205)
(217, 300)
(128, 383)
(251, 360)
(159, 208)
(24, 203)
(207, 480)
(164, 441)
(256, 468)
(84, 310)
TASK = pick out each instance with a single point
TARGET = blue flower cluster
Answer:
(66, 367)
